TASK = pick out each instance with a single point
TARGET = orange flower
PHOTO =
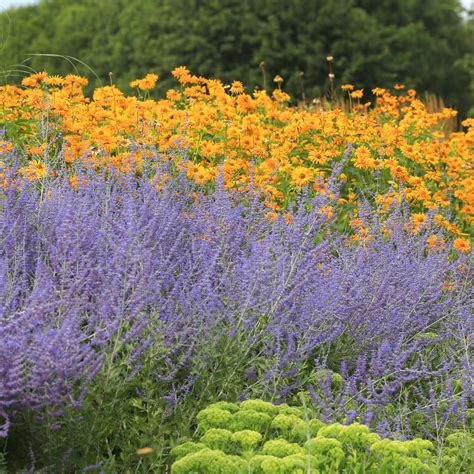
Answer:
(173, 95)
(432, 240)
(35, 170)
(358, 94)
(461, 245)
(182, 74)
(145, 84)
(73, 80)
(34, 80)
(379, 91)
(327, 211)
(222, 125)
(281, 96)
(5, 147)
(301, 176)
(271, 216)
(364, 159)
(54, 80)
(237, 87)
(74, 182)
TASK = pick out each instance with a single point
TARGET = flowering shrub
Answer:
(318, 447)
(251, 137)
(212, 295)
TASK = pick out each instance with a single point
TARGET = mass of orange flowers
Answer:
(206, 128)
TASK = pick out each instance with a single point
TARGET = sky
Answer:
(14, 3)
(8, 3)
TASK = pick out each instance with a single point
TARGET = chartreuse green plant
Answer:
(262, 438)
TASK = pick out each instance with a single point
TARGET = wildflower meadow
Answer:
(222, 280)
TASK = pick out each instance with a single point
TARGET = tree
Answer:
(423, 43)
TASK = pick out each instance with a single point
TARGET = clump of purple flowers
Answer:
(114, 264)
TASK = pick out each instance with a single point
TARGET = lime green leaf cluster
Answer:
(260, 437)
(209, 460)
(406, 456)
(458, 454)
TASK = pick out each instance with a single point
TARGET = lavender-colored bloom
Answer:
(118, 265)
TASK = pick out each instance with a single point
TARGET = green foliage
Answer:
(3, 462)
(356, 436)
(209, 461)
(329, 452)
(412, 456)
(259, 406)
(284, 409)
(280, 447)
(217, 438)
(184, 449)
(213, 417)
(232, 407)
(267, 464)
(287, 424)
(247, 439)
(324, 375)
(250, 420)
(123, 411)
(458, 455)
(374, 43)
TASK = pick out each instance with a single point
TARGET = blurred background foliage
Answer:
(425, 44)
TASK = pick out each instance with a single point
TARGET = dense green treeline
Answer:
(424, 43)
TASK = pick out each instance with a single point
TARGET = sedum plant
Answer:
(325, 448)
